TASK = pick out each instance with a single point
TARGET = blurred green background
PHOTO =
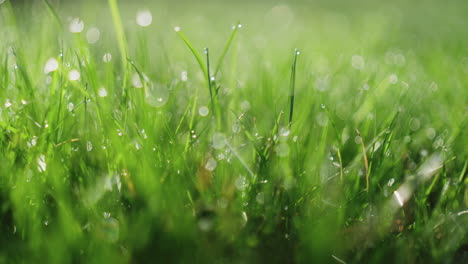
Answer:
(126, 162)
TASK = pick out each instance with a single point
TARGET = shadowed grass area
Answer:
(123, 140)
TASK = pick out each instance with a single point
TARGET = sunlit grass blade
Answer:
(120, 33)
(366, 162)
(227, 46)
(195, 53)
(292, 86)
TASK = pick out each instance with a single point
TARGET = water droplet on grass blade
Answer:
(136, 81)
(110, 228)
(183, 76)
(107, 57)
(260, 198)
(284, 132)
(211, 164)
(322, 119)
(203, 111)
(241, 183)
(156, 95)
(393, 78)
(218, 140)
(74, 75)
(76, 25)
(144, 18)
(245, 106)
(92, 35)
(236, 127)
(41, 162)
(89, 146)
(7, 103)
(205, 224)
(51, 65)
(102, 92)
(430, 133)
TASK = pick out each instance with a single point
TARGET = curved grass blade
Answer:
(232, 37)
(193, 50)
(53, 13)
(292, 85)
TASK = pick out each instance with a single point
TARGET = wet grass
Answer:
(353, 151)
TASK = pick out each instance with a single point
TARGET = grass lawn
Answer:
(233, 131)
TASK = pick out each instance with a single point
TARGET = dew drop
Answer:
(211, 164)
(205, 224)
(284, 132)
(183, 76)
(218, 140)
(41, 162)
(144, 18)
(156, 95)
(430, 133)
(51, 65)
(236, 127)
(74, 75)
(260, 198)
(76, 25)
(245, 106)
(393, 79)
(241, 183)
(92, 35)
(7, 103)
(136, 81)
(107, 57)
(203, 111)
(322, 119)
(102, 92)
(89, 146)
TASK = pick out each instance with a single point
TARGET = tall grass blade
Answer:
(292, 86)
(232, 37)
(194, 51)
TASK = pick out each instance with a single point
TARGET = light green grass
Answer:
(274, 172)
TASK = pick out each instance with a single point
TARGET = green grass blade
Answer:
(292, 86)
(194, 51)
(232, 37)
(53, 13)
(119, 30)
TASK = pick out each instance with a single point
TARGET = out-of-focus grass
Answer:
(129, 164)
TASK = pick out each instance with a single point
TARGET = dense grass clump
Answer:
(325, 132)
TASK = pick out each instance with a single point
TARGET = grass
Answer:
(152, 154)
